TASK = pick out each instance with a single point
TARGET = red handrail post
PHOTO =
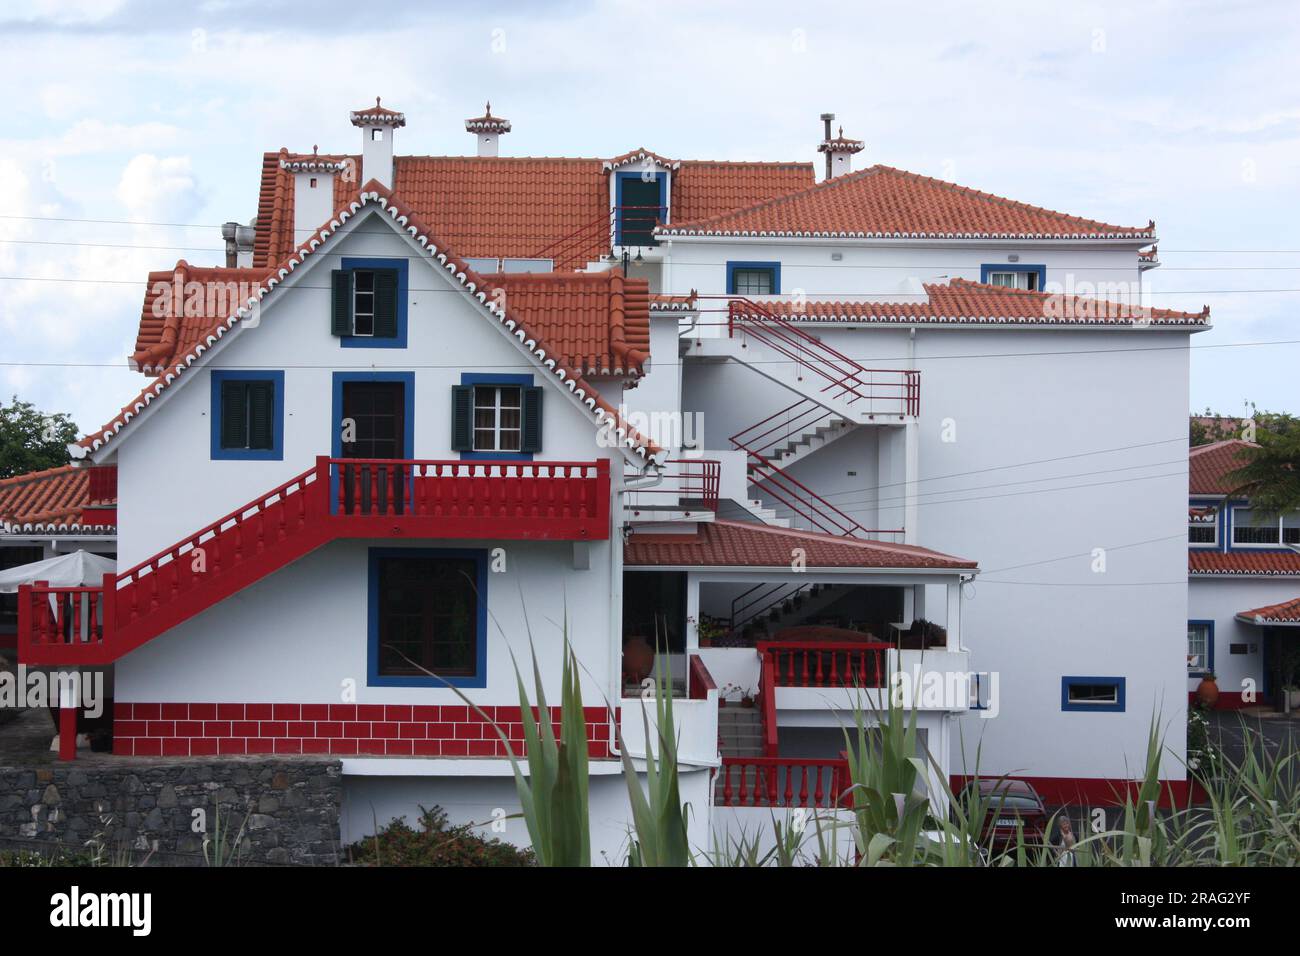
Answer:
(108, 609)
(25, 620)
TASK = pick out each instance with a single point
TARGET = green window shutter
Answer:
(385, 303)
(462, 418)
(261, 415)
(532, 437)
(341, 312)
(234, 414)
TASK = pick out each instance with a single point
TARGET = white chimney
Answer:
(313, 191)
(839, 151)
(487, 130)
(377, 124)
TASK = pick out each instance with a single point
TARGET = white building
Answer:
(776, 425)
(1243, 594)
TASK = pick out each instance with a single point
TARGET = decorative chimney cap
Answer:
(377, 115)
(487, 123)
(841, 145)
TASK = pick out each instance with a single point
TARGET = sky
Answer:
(150, 117)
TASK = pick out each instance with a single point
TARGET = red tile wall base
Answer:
(390, 730)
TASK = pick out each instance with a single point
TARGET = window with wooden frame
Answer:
(502, 418)
(365, 303)
(247, 415)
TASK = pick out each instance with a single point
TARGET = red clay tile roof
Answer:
(599, 321)
(740, 544)
(377, 115)
(1268, 563)
(883, 202)
(50, 500)
(1288, 612)
(530, 339)
(519, 207)
(841, 145)
(487, 123)
(1208, 466)
(182, 307)
(963, 302)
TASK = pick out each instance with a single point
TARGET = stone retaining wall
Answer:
(288, 808)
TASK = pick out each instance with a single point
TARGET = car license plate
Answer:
(1007, 822)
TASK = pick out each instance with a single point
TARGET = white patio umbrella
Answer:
(75, 569)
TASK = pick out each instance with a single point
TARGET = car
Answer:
(1010, 807)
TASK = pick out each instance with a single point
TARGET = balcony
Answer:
(338, 498)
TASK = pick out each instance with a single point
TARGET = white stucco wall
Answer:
(1220, 600)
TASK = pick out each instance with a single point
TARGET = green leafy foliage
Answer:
(435, 843)
(32, 440)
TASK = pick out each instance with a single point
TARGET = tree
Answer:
(1270, 474)
(32, 440)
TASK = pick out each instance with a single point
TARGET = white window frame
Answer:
(357, 311)
(1212, 525)
(1280, 527)
(1019, 279)
(497, 429)
(1208, 634)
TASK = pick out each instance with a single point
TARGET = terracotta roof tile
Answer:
(1267, 563)
(1288, 612)
(517, 207)
(740, 544)
(961, 301)
(529, 337)
(1208, 466)
(377, 114)
(599, 322)
(891, 203)
(52, 499)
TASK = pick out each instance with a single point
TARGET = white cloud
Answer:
(159, 190)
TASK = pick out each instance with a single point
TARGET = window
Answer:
(1031, 278)
(368, 303)
(427, 613)
(496, 417)
(640, 205)
(1254, 528)
(497, 420)
(1102, 694)
(1200, 647)
(1202, 526)
(248, 416)
(753, 278)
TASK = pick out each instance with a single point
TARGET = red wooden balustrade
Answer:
(827, 664)
(698, 679)
(781, 782)
(371, 499)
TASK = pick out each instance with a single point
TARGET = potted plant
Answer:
(746, 699)
(1207, 691)
(708, 629)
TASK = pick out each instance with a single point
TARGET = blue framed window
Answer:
(406, 379)
(247, 415)
(1252, 528)
(496, 417)
(753, 278)
(1100, 694)
(1203, 520)
(1013, 275)
(1200, 647)
(427, 612)
(369, 303)
(639, 205)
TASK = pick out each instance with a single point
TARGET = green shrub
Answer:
(436, 843)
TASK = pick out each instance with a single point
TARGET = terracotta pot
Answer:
(746, 702)
(1207, 692)
(638, 659)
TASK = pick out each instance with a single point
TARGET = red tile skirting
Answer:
(396, 730)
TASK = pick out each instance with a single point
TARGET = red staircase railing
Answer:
(826, 663)
(845, 378)
(604, 232)
(781, 782)
(337, 498)
(685, 479)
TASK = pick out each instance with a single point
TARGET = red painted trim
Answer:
(392, 730)
(67, 733)
(1090, 791)
(509, 501)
